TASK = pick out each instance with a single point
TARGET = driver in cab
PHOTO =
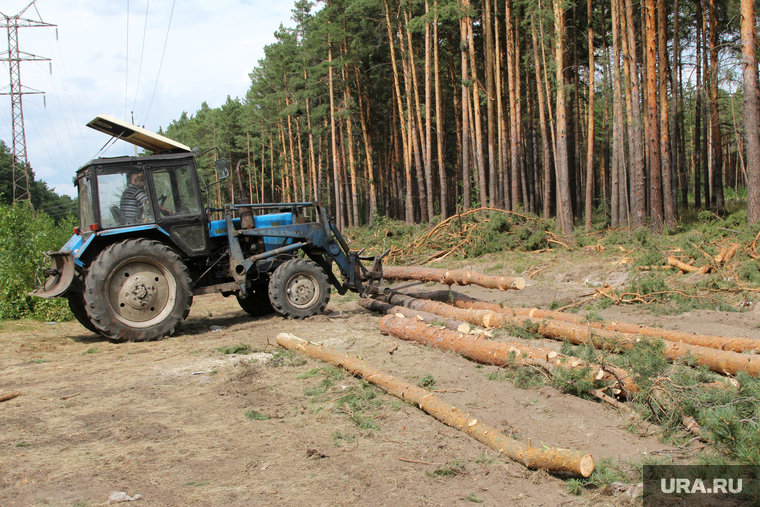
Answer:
(134, 200)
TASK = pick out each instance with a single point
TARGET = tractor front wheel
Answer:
(138, 290)
(256, 303)
(299, 289)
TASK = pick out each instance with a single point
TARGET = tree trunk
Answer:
(482, 190)
(439, 126)
(334, 139)
(428, 120)
(513, 126)
(668, 201)
(489, 65)
(653, 123)
(424, 178)
(545, 143)
(751, 109)
(697, 146)
(677, 108)
(563, 177)
(590, 137)
(312, 161)
(465, 120)
(364, 113)
(638, 172)
(717, 146)
(617, 119)
(399, 104)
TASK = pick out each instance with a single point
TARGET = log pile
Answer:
(547, 458)
(735, 344)
(485, 351)
(721, 361)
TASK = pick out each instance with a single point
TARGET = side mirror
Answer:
(222, 169)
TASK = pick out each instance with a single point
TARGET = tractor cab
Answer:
(161, 191)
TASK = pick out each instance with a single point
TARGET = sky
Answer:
(106, 58)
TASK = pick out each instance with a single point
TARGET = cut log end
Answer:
(586, 467)
(518, 283)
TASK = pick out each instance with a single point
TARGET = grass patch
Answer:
(427, 382)
(236, 349)
(91, 350)
(37, 361)
(23, 444)
(450, 469)
(472, 497)
(255, 415)
(522, 377)
(195, 484)
(359, 402)
(339, 438)
(286, 357)
(485, 459)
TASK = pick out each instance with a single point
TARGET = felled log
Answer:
(682, 265)
(451, 277)
(547, 458)
(733, 248)
(502, 353)
(721, 255)
(426, 317)
(10, 396)
(735, 344)
(720, 361)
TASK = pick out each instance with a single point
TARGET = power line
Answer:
(142, 54)
(171, 16)
(126, 70)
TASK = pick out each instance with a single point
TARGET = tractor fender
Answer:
(95, 243)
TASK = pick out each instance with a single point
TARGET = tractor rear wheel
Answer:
(138, 290)
(299, 289)
(256, 303)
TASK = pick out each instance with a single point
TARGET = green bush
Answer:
(25, 239)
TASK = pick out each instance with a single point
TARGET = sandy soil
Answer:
(176, 421)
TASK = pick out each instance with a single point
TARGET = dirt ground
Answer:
(181, 423)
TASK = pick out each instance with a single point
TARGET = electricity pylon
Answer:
(14, 57)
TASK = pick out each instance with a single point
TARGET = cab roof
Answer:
(135, 135)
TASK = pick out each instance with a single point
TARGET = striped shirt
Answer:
(132, 201)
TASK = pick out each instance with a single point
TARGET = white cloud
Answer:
(212, 47)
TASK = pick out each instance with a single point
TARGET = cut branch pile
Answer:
(547, 458)
(461, 232)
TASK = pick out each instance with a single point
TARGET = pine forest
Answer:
(597, 113)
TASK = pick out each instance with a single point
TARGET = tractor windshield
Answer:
(123, 198)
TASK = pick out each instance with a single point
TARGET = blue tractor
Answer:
(147, 244)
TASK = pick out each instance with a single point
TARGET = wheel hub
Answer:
(302, 290)
(139, 293)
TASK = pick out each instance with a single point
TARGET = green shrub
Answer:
(25, 239)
